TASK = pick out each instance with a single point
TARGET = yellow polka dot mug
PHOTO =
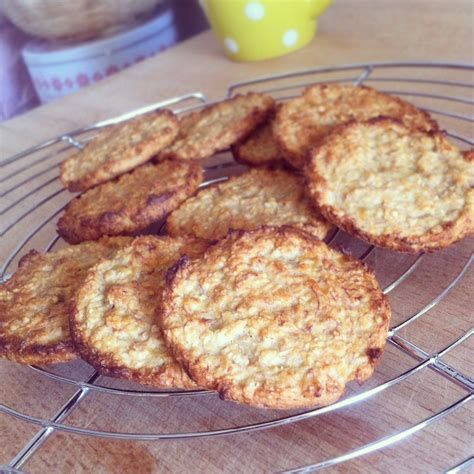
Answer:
(254, 30)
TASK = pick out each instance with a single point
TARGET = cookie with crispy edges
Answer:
(275, 318)
(260, 148)
(113, 316)
(131, 203)
(405, 190)
(303, 121)
(218, 126)
(118, 149)
(34, 325)
(255, 198)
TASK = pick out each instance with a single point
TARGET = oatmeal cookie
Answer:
(113, 320)
(254, 198)
(406, 190)
(118, 149)
(302, 121)
(131, 203)
(34, 327)
(218, 126)
(260, 147)
(275, 318)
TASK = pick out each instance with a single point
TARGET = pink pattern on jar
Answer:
(82, 80)
(57, 85)
(111, 70)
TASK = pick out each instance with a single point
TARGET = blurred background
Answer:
(51, 48)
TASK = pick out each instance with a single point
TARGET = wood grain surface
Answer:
(351, 32)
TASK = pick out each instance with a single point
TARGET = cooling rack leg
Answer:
(30, 448)
(438, 365)
(73, 142)
(367, 72)
(464, 465)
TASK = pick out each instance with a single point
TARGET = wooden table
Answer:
(351, 32)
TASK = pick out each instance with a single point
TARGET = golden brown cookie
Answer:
(34, 327)
(218, 126)
(254, 198)
(275, 318)
(260, 147)
(394, 187)
(302, 121)
(131, 203)
(113, 316)
(119, 149)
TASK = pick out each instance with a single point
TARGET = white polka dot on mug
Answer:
(290, 37)
(231, 45)
(255, 11)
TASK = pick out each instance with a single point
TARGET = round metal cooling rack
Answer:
(16, 172)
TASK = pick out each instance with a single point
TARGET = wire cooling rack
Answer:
(32, 199)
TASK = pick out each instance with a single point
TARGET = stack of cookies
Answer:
(242, 296)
